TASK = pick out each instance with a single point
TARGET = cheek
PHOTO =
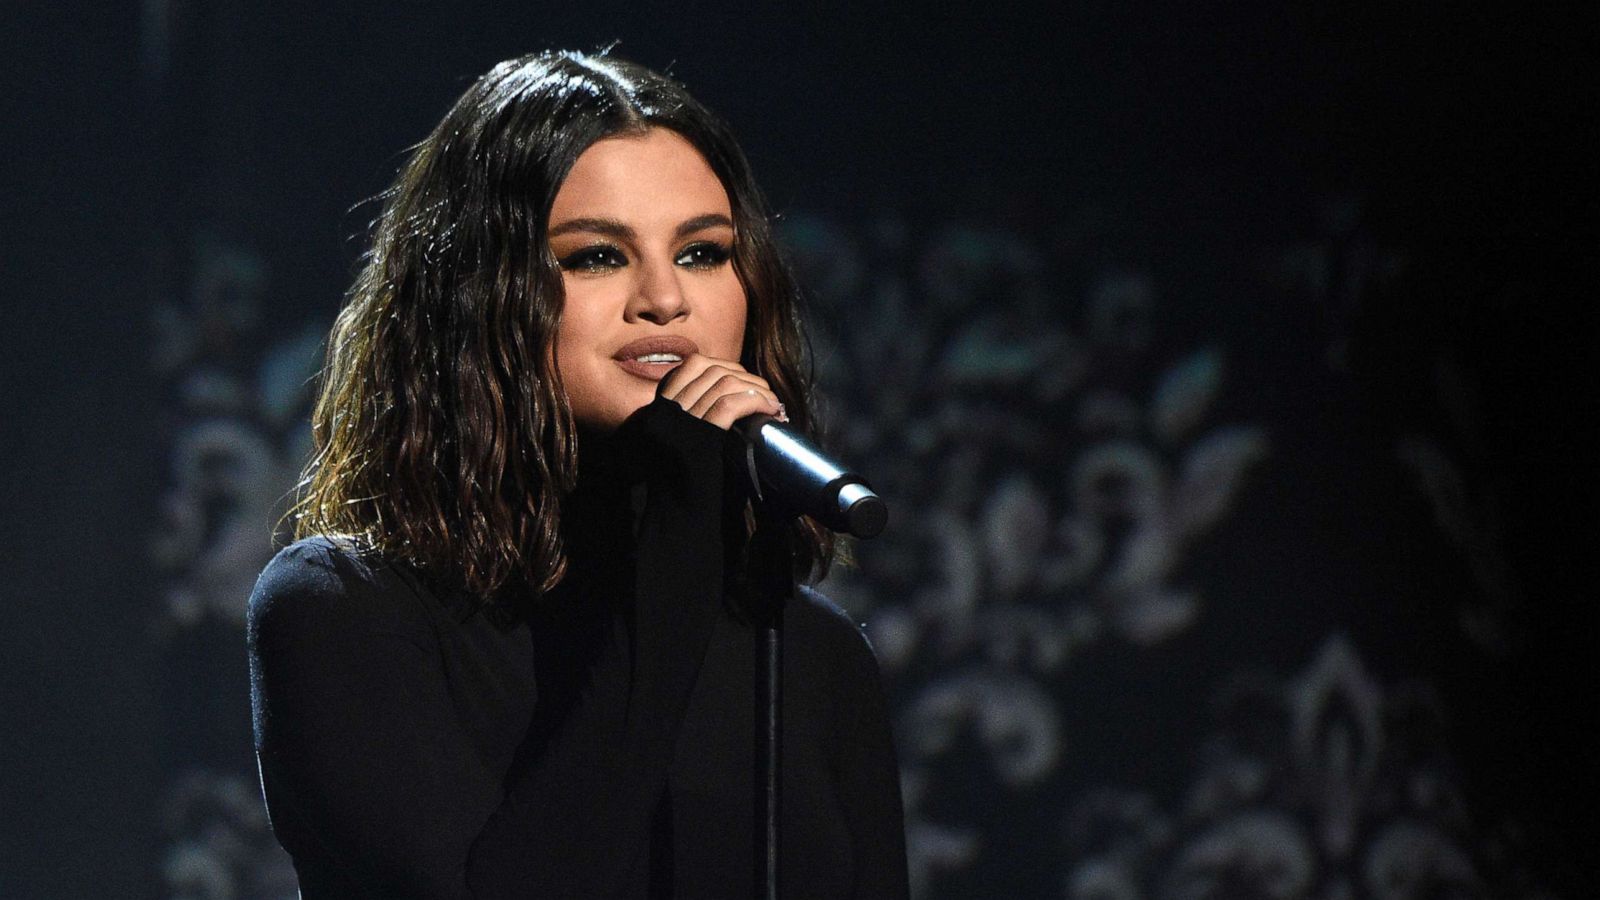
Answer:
(575, 340)
(582, 317)
(732, 311)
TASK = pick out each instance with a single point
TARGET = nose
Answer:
(658, 297)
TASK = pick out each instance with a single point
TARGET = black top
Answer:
(598, 741)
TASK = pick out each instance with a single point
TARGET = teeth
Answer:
(658, 358)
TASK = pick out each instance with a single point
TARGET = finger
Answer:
(691, 395)
(738, 368)
(732, 386)
(676, 384)
(691, 390)
(729, 408)
(675, 381)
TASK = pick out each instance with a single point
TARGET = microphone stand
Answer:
(772, 576)
(852, 507)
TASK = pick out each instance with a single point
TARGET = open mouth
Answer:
(653, 357)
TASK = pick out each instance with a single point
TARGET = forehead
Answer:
(657, 176)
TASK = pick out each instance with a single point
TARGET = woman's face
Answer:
(643, 232)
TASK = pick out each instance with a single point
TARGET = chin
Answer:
(609, 419)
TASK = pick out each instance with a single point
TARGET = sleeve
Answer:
(363, 761)
(869, 778)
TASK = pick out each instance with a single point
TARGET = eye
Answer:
(598, 258)
(704, 255)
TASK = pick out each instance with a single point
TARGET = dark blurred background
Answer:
(1227, 368)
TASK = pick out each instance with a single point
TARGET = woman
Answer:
(511, 652)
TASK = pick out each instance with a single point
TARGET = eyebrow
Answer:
(617, 229)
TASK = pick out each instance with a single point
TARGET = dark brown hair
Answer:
(442, 432)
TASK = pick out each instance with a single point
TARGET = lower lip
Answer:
(650, 371)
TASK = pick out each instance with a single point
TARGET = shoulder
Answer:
(324, 582)
(833, 628)
(839, 654)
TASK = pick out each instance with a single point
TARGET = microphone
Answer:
(789, 471)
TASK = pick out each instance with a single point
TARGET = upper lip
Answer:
(677, 345)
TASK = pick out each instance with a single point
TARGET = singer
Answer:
(510, 653)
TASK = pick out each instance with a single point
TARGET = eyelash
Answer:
(602, 257)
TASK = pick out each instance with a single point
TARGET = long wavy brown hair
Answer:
(442, 432)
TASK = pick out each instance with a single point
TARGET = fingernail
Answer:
(783, 414)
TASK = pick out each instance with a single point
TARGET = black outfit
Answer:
(597, 741)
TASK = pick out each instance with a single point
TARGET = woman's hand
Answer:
(719, 391)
